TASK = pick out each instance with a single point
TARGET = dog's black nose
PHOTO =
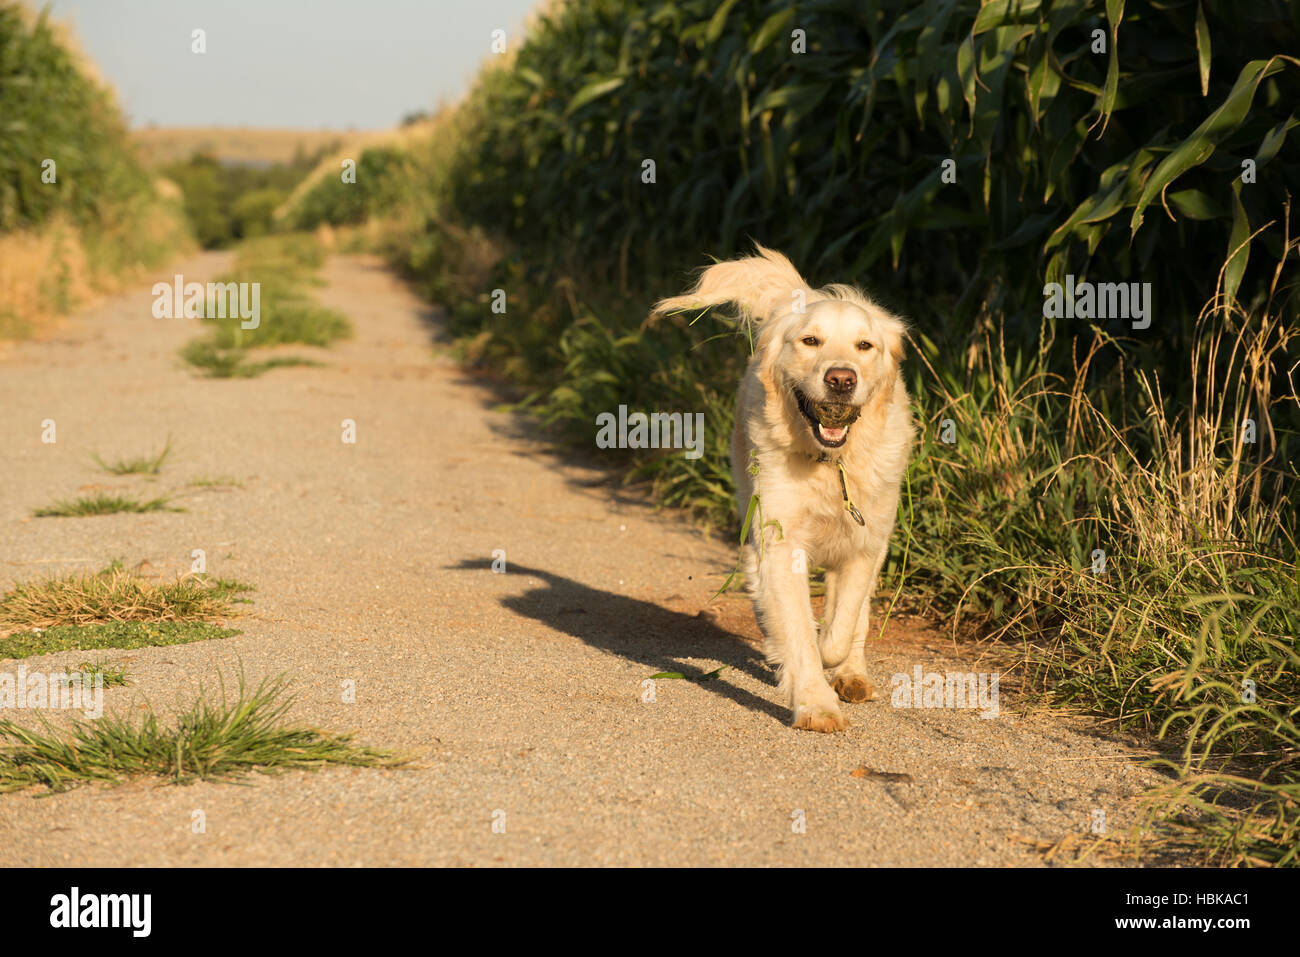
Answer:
(841, 380)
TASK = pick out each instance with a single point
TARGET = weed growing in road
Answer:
(216, 481)
(114, 609)
(102, 503)
(217, 363)
(288, 321)
(141, 465)
(108, 674)
(115, 594)
(284, 268)
(210, 741)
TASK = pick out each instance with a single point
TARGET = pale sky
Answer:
(288, 63)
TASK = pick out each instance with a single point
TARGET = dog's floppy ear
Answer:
(894, 333)
(896, 348)
(767, 349)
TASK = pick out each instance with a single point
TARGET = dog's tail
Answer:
(764, 286)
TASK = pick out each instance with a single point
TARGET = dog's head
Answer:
(823, 364)
(829, 363)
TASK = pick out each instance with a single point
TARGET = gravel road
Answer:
(521, 694)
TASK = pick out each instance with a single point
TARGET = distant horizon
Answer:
(260, 128)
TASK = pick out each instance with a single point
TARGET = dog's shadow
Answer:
(641, 632)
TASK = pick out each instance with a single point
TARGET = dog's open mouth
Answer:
(829, 421)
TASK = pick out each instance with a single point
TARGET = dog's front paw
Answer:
(820, 719)
(819, 713)
(854, 688)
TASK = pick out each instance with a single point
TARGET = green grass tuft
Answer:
(102, 503)
(109, 675)
(141, 465)
(218, 363)
(210, 741)
(285, 322)
(284, 266)
(216, 481)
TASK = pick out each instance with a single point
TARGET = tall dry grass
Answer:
(42, 270)
(1142, 555)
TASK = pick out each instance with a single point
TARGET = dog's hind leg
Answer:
(828, 602)
(842, 606)
(849, 678)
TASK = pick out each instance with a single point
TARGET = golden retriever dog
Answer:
(822, 437)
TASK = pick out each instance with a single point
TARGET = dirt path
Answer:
(520, 692)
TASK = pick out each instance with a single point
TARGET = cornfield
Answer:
(52, 112)
(77, 210)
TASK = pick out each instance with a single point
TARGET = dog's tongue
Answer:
(832, 435)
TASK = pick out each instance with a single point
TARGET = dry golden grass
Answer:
(160, 145)
(40, 270)
(115, 595)
(57, 268)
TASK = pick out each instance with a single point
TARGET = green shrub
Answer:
(78, 212)
(228, 202)
(206, 205)
(340, 203)
(52, 111)
(253, 212)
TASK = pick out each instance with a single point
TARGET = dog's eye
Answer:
(810, 341)
(864, 345)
